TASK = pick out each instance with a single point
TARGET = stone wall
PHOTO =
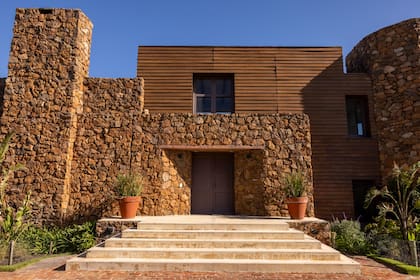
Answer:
(49, 60)
(391, 56)
(103, 143)
(286, 143)
(138, 144)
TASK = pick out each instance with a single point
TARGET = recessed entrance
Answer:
(212, 184)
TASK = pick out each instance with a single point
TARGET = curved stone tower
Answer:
(391, 56)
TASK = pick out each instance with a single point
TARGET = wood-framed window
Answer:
(357, 108)
(213, 93)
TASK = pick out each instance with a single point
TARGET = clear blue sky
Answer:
(121, 26)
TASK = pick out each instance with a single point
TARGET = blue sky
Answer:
(121, 26)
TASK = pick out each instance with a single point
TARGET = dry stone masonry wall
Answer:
(392, 58)
(48, 62)
(103, 143)
(285, 142)
(109, 143)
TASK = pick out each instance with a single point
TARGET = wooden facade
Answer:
(278, 79)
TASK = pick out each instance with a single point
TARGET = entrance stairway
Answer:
(214, 243)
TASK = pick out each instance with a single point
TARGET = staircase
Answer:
(214, 243)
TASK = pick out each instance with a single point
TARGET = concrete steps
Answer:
(214, 244)
(213, 253)
(344, 265)
(290, 234)
(233, 226)
(307, 243)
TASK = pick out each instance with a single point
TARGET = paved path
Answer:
(53, 269)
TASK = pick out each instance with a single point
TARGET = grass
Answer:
(11, 268)
(397, 265)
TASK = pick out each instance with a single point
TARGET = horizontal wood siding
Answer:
(266, 79)
(271, 79)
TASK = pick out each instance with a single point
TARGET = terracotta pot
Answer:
(128, 206)
(297, 207)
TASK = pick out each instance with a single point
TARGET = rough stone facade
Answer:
(103, 142)
(391, 56)
(48, 62)
(285, 146)
(138, 144)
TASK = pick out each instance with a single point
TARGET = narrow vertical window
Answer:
(357, 115)
(213, 93)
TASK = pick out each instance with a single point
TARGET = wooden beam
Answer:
(210, 148)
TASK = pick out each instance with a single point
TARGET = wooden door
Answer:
(212, 184)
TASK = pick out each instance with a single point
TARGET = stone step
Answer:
(323, 254)
(307, 243)
(213, 234)
(344, 265)
(214, 243)
(238, 225)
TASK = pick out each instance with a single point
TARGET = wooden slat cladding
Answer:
(267, 79)
(278, 79)
(337, 158)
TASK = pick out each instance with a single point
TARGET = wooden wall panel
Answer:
(278, 79)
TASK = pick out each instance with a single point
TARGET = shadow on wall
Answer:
(248, 184)
(250, 195)
(177, 181)
(95, 210)
(338, 158)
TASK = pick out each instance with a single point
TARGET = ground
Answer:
(53, 268)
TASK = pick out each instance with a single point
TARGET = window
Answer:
(213, 93)
(357, 115)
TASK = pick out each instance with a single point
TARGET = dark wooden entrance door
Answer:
(212, 184)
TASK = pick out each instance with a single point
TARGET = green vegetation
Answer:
(396, 231)
(295, 184)
(12, 221)
(397, 265)
(31, 241)
(37, 242)
(74, 239)
(349, 238)
(129, 184)
(401, 198)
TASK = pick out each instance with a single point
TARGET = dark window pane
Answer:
(224, 104)
(203, 105)
(213, 93)
(202, 86)
(224, 87)
(357, 115)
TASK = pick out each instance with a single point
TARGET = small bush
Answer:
(74, 239)
(129, 184)
(295, 184)
(349, 238)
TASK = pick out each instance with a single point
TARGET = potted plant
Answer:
(128, 188)
(296, 194)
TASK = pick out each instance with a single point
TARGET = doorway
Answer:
(212, 184)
